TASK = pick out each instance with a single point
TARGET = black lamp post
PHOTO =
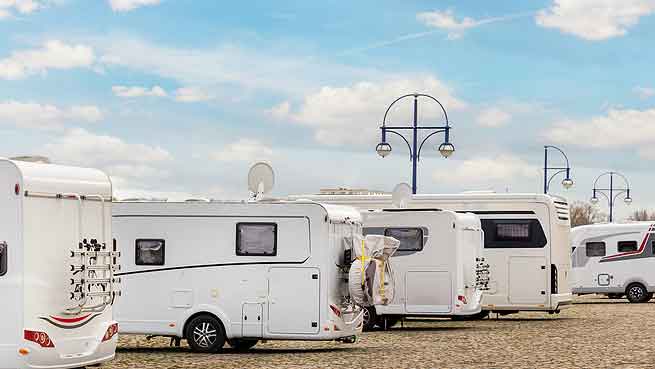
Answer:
(611, 193)
(567, 182)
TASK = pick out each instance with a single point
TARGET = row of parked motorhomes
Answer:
(77, 266)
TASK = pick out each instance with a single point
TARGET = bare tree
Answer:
(641, 215)
(582, 213)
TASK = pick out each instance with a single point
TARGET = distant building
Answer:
(350, 191)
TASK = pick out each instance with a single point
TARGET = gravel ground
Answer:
(595, 333)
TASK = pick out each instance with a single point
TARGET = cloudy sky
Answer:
(178, 97)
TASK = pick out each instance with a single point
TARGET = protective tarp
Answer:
(371, 279)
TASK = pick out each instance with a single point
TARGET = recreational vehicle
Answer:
(615, 260)
(438, 268)
(526, 243)
(214, 272)
(56, 266)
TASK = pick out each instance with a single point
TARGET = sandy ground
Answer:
(594, 333)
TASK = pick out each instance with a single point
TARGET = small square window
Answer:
(411, 239)
(256, 239)
(626, 246)
(595, 249)
(3, 258)
(150, 251)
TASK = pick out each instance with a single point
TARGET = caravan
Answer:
(238, 272)
(526, 243)
(615, 260)
(438, 268)
(56, 266)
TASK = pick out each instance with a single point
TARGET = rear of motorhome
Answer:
(615, 260)
(236, 272)
(56, 266)
(526, 243)
(438, 268)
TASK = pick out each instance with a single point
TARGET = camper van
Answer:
(615, 260)
(439, 269)
(57, 262)
(238, 272)
(526, 243)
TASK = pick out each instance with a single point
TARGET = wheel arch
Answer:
(205, 310)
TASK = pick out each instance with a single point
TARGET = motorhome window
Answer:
(150, 251)
(256, 239)
(3, 258)
(626, 246)
(411, 239)
(513, 233)
(595, 249)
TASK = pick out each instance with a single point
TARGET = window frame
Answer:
(254, 224)
(421, 237)
(4, 258)
(634, 246)
(136, 251)
(536, 233)
(595, 243)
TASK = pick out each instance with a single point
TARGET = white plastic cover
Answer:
(370, 279)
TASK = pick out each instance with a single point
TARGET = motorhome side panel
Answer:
(195, 268)
(11, 265)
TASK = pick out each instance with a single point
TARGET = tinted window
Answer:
(595, 249)
(256, 239)
(3, 258)
(150, 252)
(513, 233)
(626, 246)
(411, 239)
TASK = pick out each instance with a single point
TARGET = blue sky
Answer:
(178, 97)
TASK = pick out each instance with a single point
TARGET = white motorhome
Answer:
(236, 272)
(614, 259)
(438, 268)
(526, 243)
(56, 266)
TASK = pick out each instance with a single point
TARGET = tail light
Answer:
(111, 332)
(40, 338)
(462, 299)
(335, 310)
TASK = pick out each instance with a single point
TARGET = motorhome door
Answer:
(293, 306)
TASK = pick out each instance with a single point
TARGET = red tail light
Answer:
(111, 332)
(335, 310)
(462, 299)
(40, 338)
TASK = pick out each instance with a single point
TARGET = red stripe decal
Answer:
(70, 320)
(641, 248)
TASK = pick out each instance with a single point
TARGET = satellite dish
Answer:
(402, 195)
(261, 179)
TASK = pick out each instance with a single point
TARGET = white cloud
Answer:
(594, 20)
(353, 114)
(493, 117)
(129, 5)
(52, 55)
(9, 8)
(138, 91)
(192, 94)
(501, 170)
(245, 149)
(40, 116)
(619, 128)
(446, 20)
(644, 92)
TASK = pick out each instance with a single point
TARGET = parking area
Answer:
(594, 332)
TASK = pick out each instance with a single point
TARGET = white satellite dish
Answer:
(402, 195)
(261, 179)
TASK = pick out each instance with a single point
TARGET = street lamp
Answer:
(567, 182)
(446, 149)
(611, 193)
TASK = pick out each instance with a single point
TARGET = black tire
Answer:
(614, 296)
(205, 334)
(637, 293)
(243, 344)
(370, 318)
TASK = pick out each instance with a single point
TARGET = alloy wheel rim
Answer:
(205, 335)
(636, 292)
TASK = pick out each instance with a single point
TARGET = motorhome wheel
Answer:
(205, 334)
(370, 318)
(243, 344)
(637, 293)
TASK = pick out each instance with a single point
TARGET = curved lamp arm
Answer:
(425, 139)
(409, 147)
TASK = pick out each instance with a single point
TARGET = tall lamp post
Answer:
(611, 193)
(446, 148)
(567, 182)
